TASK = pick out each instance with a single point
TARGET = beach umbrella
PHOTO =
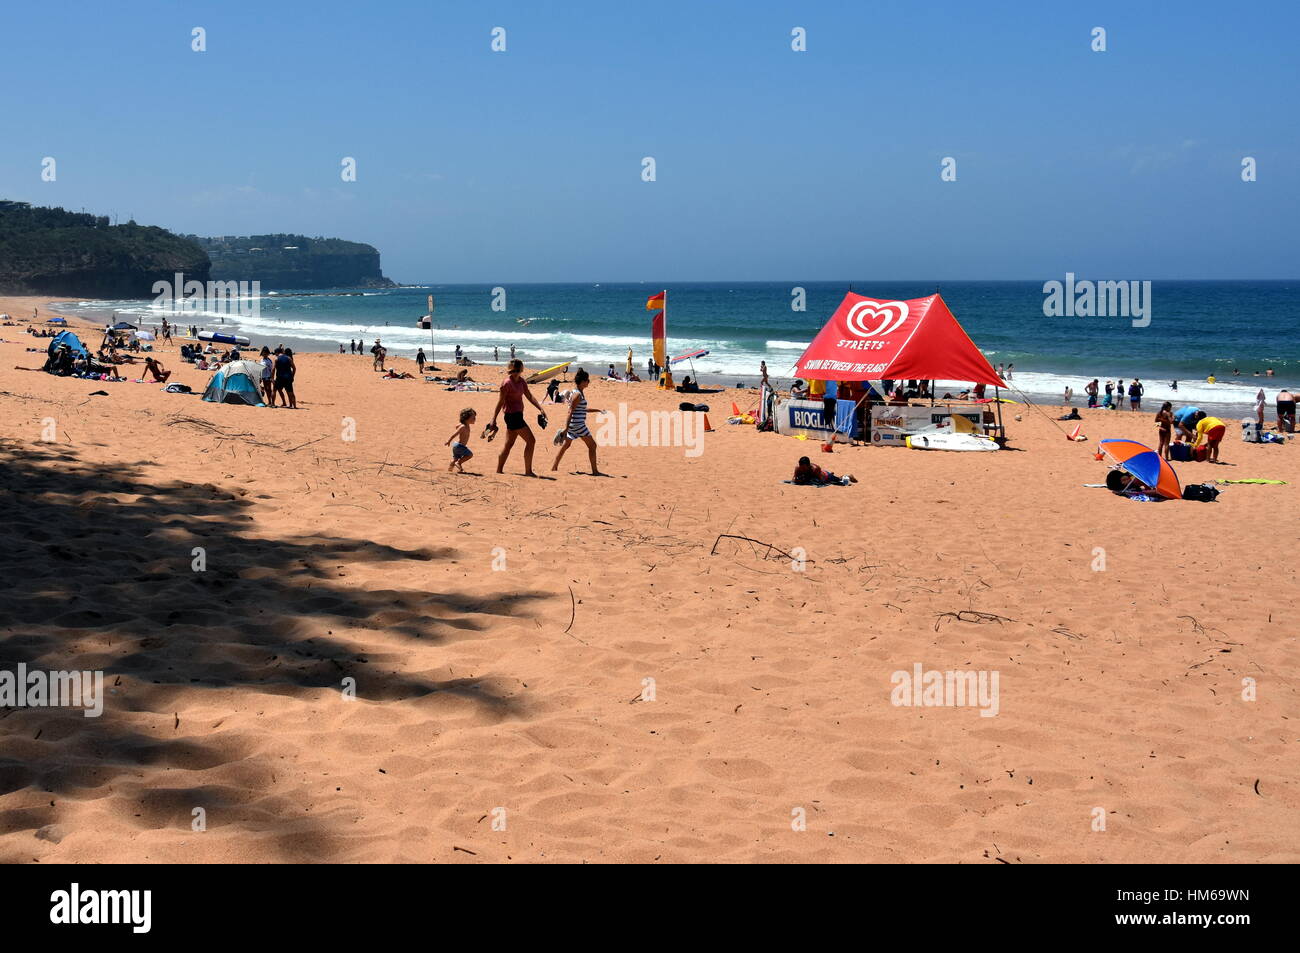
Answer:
(1140, 461)
(144, 335)
(690, 356)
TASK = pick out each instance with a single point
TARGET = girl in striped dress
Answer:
(575, 427)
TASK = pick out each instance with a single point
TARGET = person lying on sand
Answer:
(808, 474)
(392, 375)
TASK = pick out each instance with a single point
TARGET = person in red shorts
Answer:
(1209, 433)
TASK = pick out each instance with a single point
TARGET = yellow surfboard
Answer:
(547, 374)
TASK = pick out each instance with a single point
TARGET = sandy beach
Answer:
(581, 669)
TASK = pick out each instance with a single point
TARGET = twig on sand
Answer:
(758, 542)
(971, 615)
(573, 614)
(307, 444)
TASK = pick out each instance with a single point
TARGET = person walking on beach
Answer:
(1260, 400)
(512, 352)
(1091, 391)
(460, 451)
(285, 370)
(420, 360)
(1000, 373)
(496, 354)
(511, 396)
(1165, 421)
(629, 363)
(1069, 394)
(1135, 391)
(379, 351)
(575, 425)
(1010, 368)
(762, 372)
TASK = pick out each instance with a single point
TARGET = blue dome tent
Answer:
(236, 383)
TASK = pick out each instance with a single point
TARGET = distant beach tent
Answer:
(236, 383)
(123, 326)
(71, 340)
(876, 339)
(57, 321)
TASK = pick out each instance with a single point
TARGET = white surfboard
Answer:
(950, 441)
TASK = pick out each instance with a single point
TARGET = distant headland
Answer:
(52, 251)
(294, 261)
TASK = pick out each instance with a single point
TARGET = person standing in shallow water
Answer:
(511, 396)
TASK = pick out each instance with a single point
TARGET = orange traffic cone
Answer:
(708, 427)
(1076, 434)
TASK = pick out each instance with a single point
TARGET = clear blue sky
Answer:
(525, 165)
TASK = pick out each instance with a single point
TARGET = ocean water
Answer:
(1197, 328)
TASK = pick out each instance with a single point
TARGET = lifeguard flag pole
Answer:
(659, 336)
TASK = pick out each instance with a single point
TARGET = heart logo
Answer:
(886, 316)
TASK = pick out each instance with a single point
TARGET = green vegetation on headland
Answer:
(50, 251)
(294, 261)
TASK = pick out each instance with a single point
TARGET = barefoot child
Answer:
(575, 425)
(460, 451)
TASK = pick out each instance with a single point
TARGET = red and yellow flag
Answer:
(658, 338)
(656, 303)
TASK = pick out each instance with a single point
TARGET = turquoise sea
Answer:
(1197, 328)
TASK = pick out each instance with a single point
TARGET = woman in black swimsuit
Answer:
(284, 373)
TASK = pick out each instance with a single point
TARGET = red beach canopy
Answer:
(871, 339)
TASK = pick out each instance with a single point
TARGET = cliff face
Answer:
(49, 251)
(295, 261)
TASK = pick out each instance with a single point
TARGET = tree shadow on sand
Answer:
(97, 568)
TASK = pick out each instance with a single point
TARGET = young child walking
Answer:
(460, 451)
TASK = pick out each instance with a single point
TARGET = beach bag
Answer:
(1203, 492)
(1201, 454)
(1180, 451)
(177, 389)
(1250, 432)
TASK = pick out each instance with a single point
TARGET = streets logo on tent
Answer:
(889, 315)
